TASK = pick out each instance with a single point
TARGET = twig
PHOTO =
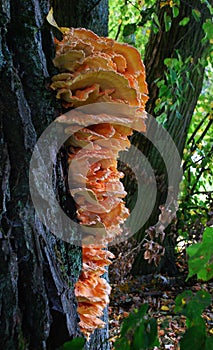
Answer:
(196, 129)
(203, 134)
(118, 31)
(130, 2)
(138, 246)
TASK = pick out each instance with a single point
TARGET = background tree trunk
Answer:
(187, 42)
(38, 270)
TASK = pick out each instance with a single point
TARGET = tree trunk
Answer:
(185, 41)
(38, 270)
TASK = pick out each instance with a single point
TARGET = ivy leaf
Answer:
(201, 257)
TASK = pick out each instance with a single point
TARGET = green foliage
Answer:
(196, 199)
(184, 21)
(172, 87)
(167, 22)
(209, 5)
(201, 257)
(175, 11)
(129, 29)
(131, 21)
(208, 28)
(138, 331)
(192, 306)
(74, 344)
(196, 14)
(196, 339)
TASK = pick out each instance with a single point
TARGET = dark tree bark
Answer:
(38, 270)
(187, 42)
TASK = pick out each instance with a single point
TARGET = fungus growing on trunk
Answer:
(96, 69)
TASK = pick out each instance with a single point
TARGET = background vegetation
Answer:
(132, 22)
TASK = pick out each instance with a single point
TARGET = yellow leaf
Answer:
(164, 3)
(183, 301)
(51, 20)
(164, 308)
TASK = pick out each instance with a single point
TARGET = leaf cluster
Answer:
(138, 331)
(192, 307)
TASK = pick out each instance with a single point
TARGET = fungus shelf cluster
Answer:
(95, 69)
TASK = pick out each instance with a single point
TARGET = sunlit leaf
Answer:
(175, 11)
(208, 28)
(184, 21)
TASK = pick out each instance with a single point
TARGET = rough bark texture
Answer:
(92, 14)
(38, 270)
(187, 41)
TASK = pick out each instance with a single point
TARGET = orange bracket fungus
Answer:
(94, 69)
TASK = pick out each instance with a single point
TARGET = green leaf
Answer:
(152, 332)
(192, 306)
(75, 344)
(163, 90)
(208, 29)
(129, 29)
(162, 119)
(175, 11)
(140, 340)
(194, 338)
(196, 14)
(122, 344)
(209, 343)
(133, 318)
(167, 22)
(201, 257)
(173, 76)
(172, 62)
(155, 28)
(155, 18)
(138, 332)
(184, 21)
